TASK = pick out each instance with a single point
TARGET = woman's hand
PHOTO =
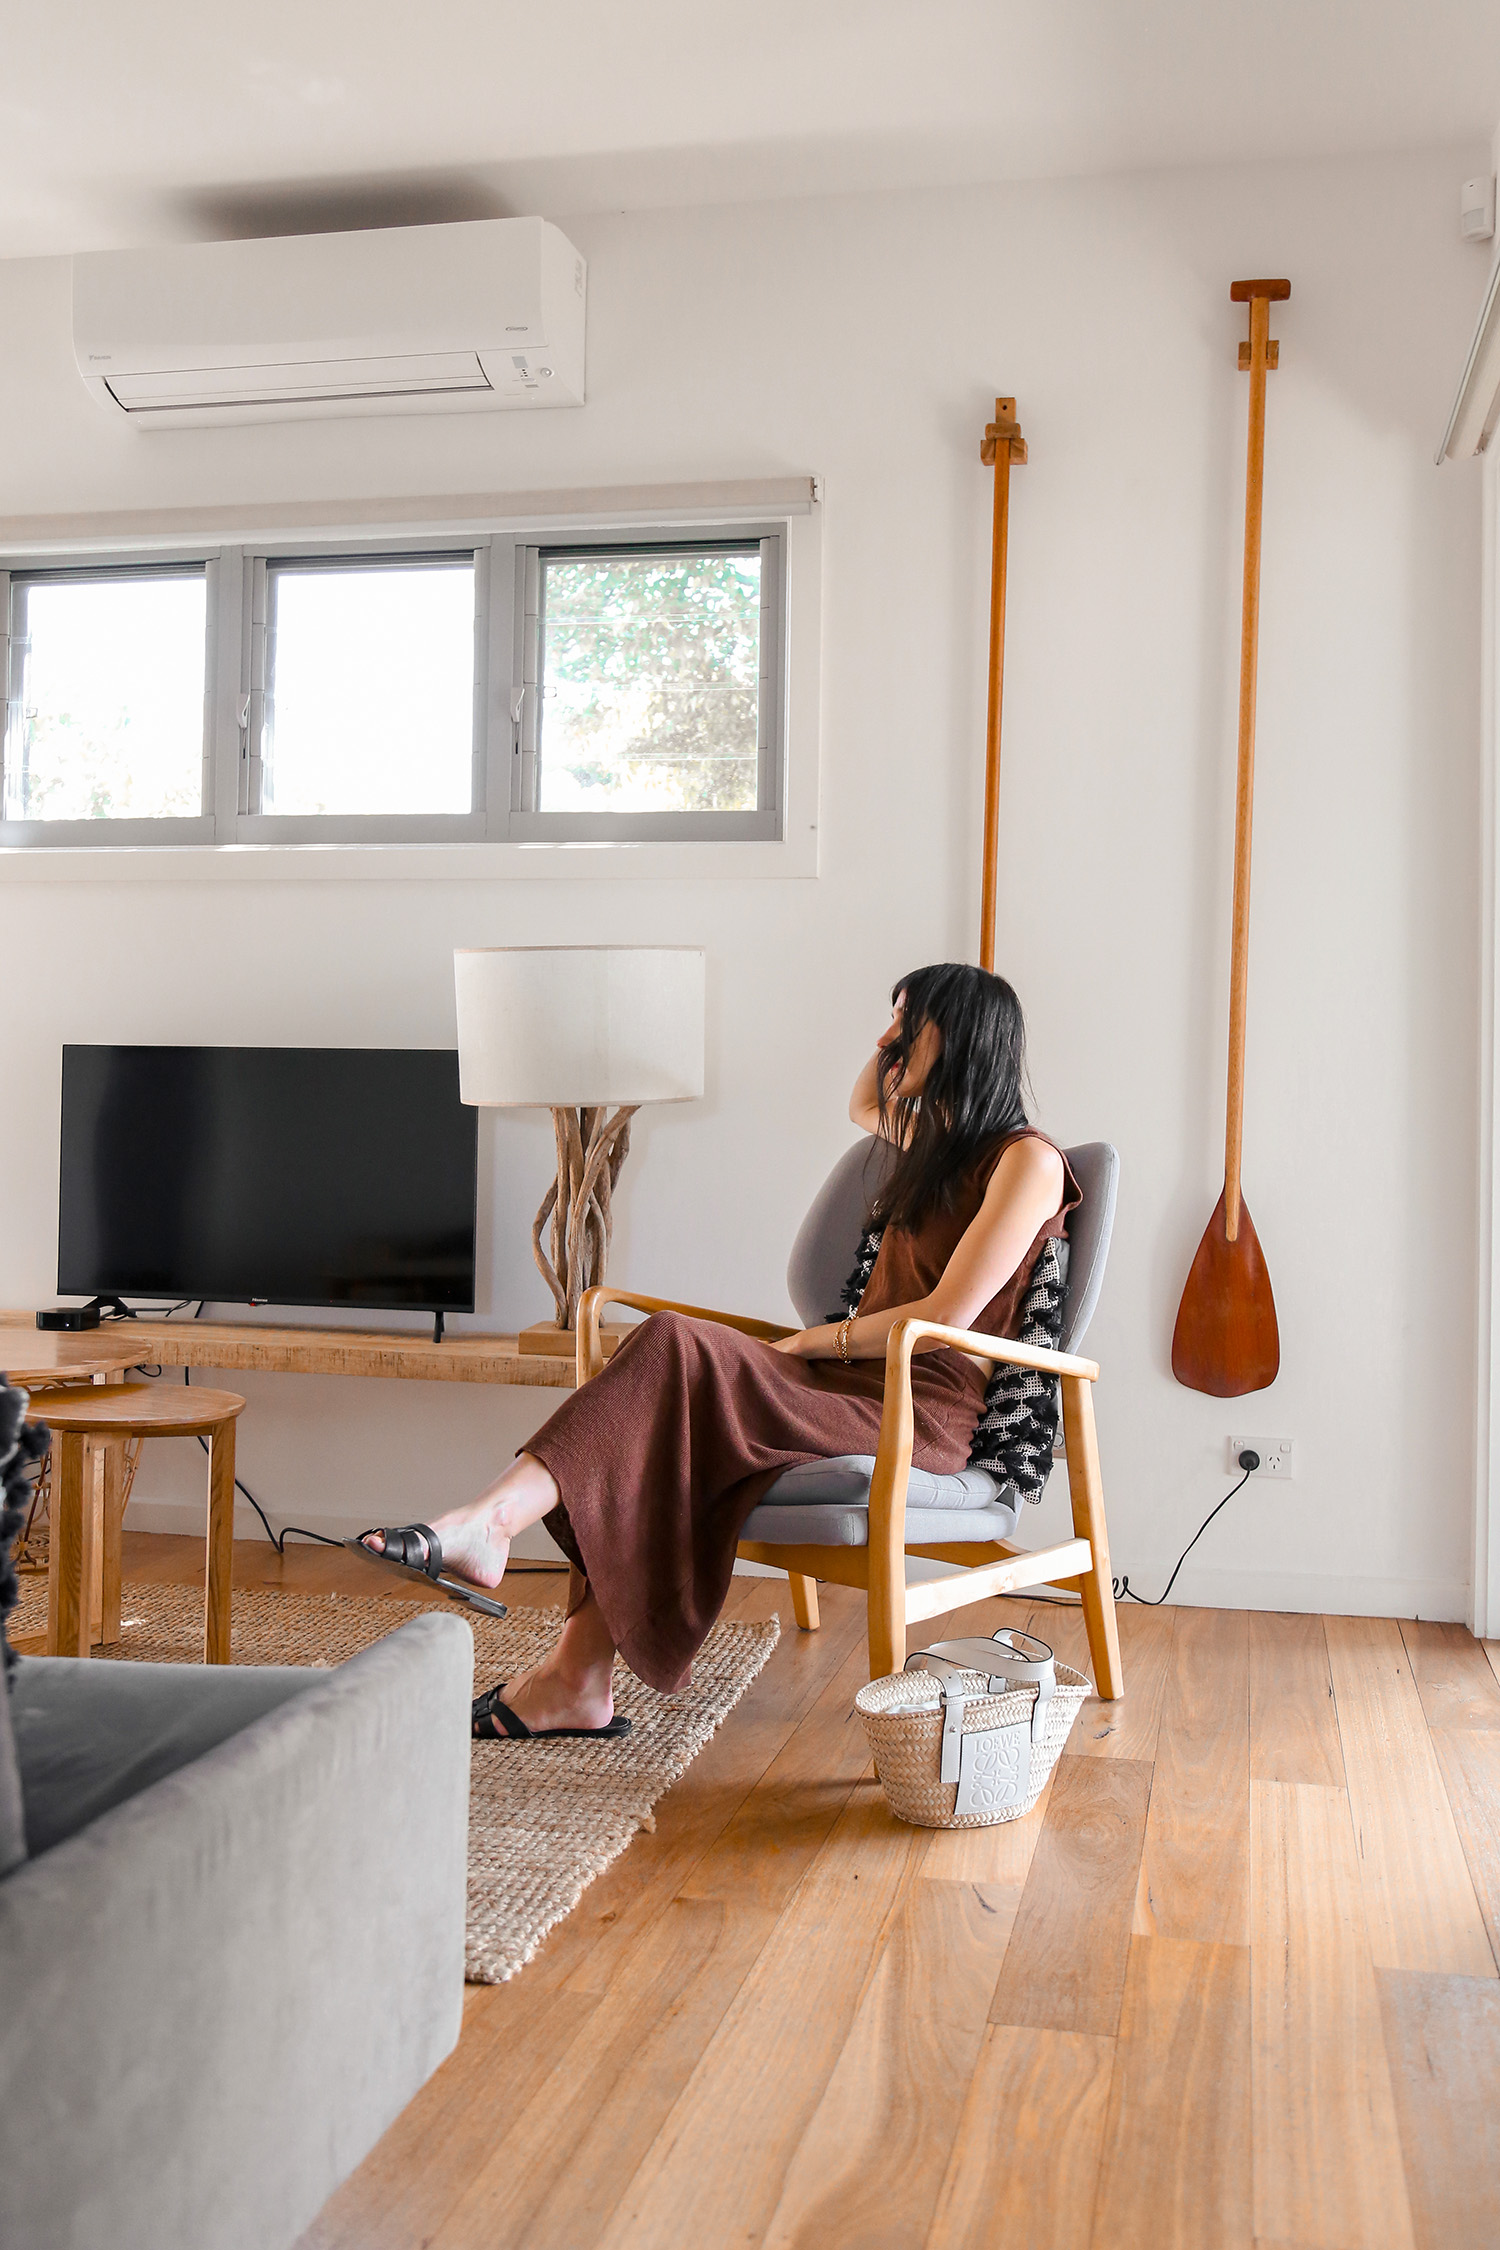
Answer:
(803, 1344)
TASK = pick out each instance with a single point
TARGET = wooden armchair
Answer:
(864, 1541)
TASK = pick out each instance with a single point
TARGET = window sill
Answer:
(794, 857)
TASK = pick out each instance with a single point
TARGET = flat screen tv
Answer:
(340, 1176)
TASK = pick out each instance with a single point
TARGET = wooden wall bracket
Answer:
(1004, 426)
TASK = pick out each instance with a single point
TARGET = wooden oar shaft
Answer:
(991, 845)
(1002, 444)
(1244, 801)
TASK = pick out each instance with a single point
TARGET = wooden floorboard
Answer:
(870, 2165)
(1456, 1685)
(1175, 2173)
(1195, 1867)
(783, 2021)
(707, 2179)
(1443, 2037)
(1025, 2163)
(1469, 1761)
(1294, 1725)
(1065, 1965)
(1420, 1905)
(1327, 2162)
(1126, 1728)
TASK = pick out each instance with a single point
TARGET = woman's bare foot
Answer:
(471, 1549)
(476, 1539)
(574, 1686)
(547, 1697)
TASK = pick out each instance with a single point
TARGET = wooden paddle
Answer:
(1226, 1339)
(1001, 445)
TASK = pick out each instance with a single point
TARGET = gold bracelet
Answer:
(842, 1340)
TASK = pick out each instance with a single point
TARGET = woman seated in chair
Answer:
(645, 1476)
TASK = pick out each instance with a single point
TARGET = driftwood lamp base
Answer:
(577, 1216)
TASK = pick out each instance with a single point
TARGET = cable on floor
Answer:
(1124, 1591)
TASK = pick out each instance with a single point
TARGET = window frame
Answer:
(189, 828)
(252, 826)
(506, 563)
(529, 825)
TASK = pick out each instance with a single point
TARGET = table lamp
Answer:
(580, 1030)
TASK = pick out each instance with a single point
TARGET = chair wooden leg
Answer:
(220, 1544)
(70, 1542)
(887, 1612)
(1086, 1488)
(804, 1601)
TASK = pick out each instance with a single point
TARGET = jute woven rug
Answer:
(544, 1818)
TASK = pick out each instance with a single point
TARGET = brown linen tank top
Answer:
(910, 1265)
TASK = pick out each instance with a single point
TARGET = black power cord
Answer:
(1249, 1461)
(278, 1541)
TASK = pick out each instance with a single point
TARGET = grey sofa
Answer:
(233, 1948)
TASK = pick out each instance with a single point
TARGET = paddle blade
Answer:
(1226, 1340)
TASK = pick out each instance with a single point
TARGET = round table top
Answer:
(132, 1409)
(30, 1356)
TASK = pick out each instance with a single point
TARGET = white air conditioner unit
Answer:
(399, 320)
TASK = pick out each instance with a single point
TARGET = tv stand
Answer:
(110, 1308)
(437, 1327)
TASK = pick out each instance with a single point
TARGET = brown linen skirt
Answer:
(660, 1459)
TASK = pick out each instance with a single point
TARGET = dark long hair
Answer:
(972, 1097)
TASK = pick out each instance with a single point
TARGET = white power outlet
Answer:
(1275, 1455)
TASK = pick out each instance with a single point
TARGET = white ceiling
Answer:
(159, 119)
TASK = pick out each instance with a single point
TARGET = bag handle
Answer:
(1004, 1662)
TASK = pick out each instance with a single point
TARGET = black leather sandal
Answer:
(494, 1721)
(417, 1549)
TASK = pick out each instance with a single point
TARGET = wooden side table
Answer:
(44, 1358)
(111, 1415)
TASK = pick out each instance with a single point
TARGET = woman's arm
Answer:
(864, 1102)
(1025, 1189)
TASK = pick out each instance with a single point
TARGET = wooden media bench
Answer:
(40, 1359)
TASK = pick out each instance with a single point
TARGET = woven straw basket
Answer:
(1008, 1759)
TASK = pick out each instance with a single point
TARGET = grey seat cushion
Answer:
(91, 1733)
(846, 1477)
(827, 1504)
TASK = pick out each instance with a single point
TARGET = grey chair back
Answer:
(1096, 1168)
(823, 1254)
(828, 1237)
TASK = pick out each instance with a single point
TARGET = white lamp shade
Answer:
(553, 1027)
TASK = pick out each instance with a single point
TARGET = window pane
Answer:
(650, 676)
(109, 720)
(371, 689)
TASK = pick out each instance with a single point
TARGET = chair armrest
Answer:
(897, 1427)
(993, 1347)
(593, 1301)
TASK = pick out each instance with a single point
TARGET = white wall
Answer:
(864, 339)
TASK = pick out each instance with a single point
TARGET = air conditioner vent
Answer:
(300, 383)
